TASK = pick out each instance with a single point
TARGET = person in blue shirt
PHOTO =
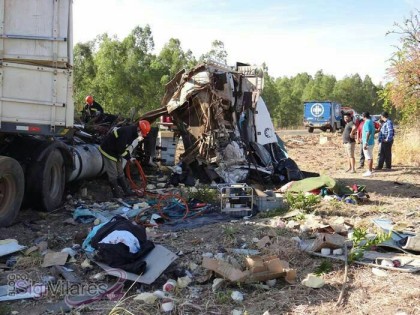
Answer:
(368, 141)
(385, 139)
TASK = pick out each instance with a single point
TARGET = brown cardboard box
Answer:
(259, 268)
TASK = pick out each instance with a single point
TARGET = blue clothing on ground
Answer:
(368, 127)
(87, 242)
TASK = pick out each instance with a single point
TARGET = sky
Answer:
(340, 37)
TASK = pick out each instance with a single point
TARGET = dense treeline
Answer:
(127, 74)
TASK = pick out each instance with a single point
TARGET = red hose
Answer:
(138, 190)
(141, 192)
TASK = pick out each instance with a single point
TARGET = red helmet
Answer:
(89, 99)
(144, 127)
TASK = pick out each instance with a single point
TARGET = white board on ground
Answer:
(157, 261)
(9, 246)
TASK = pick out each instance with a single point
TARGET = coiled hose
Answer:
(163, 201)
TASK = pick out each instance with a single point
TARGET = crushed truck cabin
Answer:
(225, 125)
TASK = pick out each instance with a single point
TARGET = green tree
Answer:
(300, 81)
(84, 72)
(119, 73)
(373, 104)
(271, 98)
(144, 89)
(320, 88)
(290, 107)
(172, 59)
(111, 82)
(307, 91)
(217, 53)
(350, 92)
(327, 86)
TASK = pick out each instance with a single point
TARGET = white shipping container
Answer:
(36, 95)
(37, 31)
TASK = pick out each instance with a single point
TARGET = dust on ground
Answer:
(393, 194)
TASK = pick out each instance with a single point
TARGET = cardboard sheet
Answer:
(55, 259)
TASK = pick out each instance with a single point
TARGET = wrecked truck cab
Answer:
(225, 125)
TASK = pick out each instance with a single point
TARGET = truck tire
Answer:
(310, 129)
(47, 181)
(12, 186)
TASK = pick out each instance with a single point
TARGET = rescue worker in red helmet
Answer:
(92, 109)
(119, 144)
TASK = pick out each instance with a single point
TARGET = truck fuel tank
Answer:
(88, 162)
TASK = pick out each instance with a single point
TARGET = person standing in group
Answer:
(386, 140)
(117, 145)
(359, 127)
(368, 141)
(349, 135)
(377, 124)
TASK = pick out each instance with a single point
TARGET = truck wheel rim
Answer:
(55, 179)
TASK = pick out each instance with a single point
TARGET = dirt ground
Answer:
(393, 194)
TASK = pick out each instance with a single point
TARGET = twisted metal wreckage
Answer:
(225, 125)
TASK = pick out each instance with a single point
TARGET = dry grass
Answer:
(26, 262)
(406, 148)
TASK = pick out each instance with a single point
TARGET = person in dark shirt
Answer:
(386, 140)
(92, 109)
(349, 141)
(359, 128)
(117, 145)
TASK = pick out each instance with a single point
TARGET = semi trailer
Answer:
(39, 149)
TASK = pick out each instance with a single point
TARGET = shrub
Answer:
(406, 150)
